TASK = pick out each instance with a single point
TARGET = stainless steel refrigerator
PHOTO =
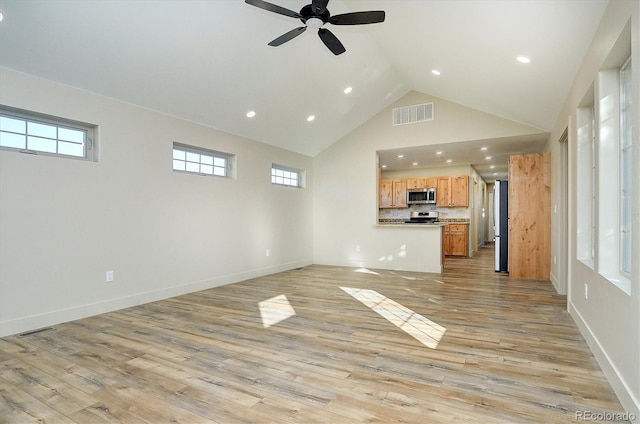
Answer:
(501, 224)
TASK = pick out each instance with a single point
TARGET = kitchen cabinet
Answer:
(393, 193)
(422, 182)
(455, 240)
(453, 191)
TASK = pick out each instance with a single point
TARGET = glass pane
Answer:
(279, 172)
(193, 167)
(206, 169)
(221, 172)
(13, 140)
(179, 154)
(207, 160)
(13, 125)
(179, 165)
(41, 144)
(71, 149)
(41, 130)
(67, 134)
(193, 157)
(217, 161)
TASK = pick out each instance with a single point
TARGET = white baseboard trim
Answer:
(47, 319)
(619, 385)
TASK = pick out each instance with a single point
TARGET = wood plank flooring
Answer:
(509, 353)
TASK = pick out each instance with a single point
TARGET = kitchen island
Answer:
(416, 247)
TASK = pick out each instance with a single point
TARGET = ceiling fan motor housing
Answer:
(307, 13)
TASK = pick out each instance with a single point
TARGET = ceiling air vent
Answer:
(413, 114)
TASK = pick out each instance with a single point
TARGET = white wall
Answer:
(609, 319)
(65, 222)
(346, 181)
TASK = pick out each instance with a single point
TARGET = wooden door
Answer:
(530, 216)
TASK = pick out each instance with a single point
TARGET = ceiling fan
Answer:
(315, 15)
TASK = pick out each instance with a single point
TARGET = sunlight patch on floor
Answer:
(275, 310)
(420, 328)
(366, 271)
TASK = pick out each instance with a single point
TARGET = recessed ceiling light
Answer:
(311, 118)
(488, 158)
(449, 160)
(495, 173)
(484, 149)
(348, 90)
(435, 72)
(415, 163)
(1, 16)
(251, 114)
(384, 166)
(523, 59)
(400, 156)
(492, 167)
(438, 153)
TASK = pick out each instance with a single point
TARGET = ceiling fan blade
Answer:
(319, 6)
(331, 41)
(358, 18)
(273, 8)
(288, 36)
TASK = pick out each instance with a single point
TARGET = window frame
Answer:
(200, 151)
(626, 168)
(89, 133)
(285, 169)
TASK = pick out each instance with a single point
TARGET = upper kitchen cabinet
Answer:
(453, 191)
(393, 193)
(422, 182)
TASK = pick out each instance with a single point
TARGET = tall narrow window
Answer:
(587, 182)
(625, 168)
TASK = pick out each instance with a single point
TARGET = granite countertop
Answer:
(401, 222)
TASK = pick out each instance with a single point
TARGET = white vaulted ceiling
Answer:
(208, 61)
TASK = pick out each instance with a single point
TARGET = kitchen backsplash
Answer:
(443, 213)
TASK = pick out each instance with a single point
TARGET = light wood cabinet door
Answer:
(386, 194)
(460, 191)
(416, 183)
(431, 182)
(456, 240)
(453, 191)
(393, 193)
(400, 193)
(443, 191)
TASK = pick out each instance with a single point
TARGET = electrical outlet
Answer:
(586, 291)
(268, 252)
(109, 276)
(555, 260)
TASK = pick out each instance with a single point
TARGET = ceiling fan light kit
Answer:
(315, 16)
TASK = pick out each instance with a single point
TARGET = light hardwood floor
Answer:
(468, 345)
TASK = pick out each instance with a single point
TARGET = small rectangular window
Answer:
(34, 133)
(286, 176)
(200, 161)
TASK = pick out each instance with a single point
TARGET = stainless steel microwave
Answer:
(421, 196)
